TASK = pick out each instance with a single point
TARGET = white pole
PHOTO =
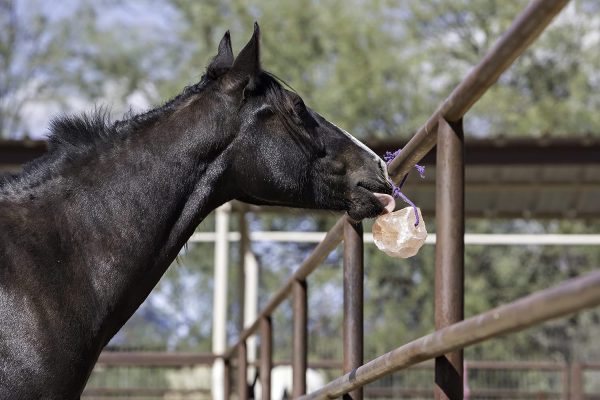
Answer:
(250, 289)
(514, 239)
(219, 333)
(251, 298)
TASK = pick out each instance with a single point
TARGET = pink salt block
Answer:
(396, 234)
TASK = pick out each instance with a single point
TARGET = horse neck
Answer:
(131, 209)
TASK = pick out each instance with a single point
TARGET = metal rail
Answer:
(153, 359)
(568, 297)
(445, 128)
(175, 361)
(524, 30)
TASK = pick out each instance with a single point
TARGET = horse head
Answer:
(284, 153)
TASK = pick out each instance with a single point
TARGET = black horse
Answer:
(87, 230)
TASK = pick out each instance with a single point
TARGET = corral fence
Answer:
(444, 129)
(185, 376)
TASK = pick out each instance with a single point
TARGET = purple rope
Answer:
(396, 192)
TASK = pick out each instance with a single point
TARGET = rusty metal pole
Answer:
(300, 342)
(576, 381)
(242, 371)
(266, 356)
(564, 381)
(226, 379)
(449, 254)
(353, 300)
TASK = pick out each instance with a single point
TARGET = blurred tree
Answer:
(29, 53)
(552, 89)
(338, 55)
(377, 67)
(66, 57)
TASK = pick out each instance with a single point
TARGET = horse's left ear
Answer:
(223, 60)
(246, 67)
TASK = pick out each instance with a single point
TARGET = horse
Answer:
(88, 229)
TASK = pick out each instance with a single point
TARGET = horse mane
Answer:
(74, 137)
(81, 132)
(84, 132)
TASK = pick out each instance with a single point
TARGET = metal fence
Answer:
(445, 345)
(186, 376)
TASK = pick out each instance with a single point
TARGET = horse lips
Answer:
(386, 201)
(395, 233)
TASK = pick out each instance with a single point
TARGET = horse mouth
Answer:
(386, 201)
(370, 201)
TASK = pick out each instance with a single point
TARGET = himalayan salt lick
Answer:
(396, 234)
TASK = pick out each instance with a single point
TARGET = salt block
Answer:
(396, 234)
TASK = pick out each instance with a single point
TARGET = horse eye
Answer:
(265, 112)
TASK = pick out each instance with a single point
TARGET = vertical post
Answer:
(576, 381)
(242, 371)
(449, 252)
(300, 342)
(219, 332)
(564, 380)
(226, 379)
(248, 288)
(353, 300)
(251, 301)
(266, 356)
(241, 284)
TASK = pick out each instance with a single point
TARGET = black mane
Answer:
(81, 132)
(74, 137)
(87, 130)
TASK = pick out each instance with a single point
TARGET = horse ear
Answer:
(246, 66)
(223, 60)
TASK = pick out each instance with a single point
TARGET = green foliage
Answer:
(377, 68)
(63, 58)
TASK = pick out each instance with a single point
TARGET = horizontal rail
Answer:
(517, 365)
(471, 365)
(517, 239)
(153, 359)
(406, 393)
(143, 392)
(329, 243)
(568, 297)
(524, 30)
